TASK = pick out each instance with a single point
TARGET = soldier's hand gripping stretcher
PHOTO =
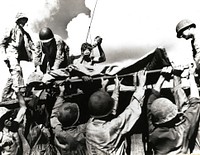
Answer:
(180, 70)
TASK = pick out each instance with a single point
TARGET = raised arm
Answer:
(140, 90)
(115, 95)
(133, 111)
(179, 94)
(165, 74)
(56, 125)
(102, 57)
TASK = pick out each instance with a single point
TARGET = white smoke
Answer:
(77, 33)
(39, 13)
(127, 25)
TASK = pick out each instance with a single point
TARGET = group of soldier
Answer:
(50, 122)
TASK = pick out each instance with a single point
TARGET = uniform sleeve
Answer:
(102, 56)
(38, 54)
(196, 44)
(196, 51)
(126, 120)
(29, 45)
(60, 54)
(115, 97)
(4, 41)
(55, 123)
(179, 94)
(192, 116)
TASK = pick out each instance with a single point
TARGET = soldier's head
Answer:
(21, 19)
(46, 35)
(184, 29)
(68, 114)
(100, 104)
(163, 111)
(86, 49)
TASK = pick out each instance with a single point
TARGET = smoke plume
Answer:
(131, 28)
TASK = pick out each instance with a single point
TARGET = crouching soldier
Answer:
(51, 52)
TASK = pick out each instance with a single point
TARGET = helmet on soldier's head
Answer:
(46, 34)
(163, 110)
(100, 104)
(19, 16)
(85, 46)
(34, 78)
(183, 25)
(68, 114)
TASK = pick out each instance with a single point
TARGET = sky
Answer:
(129, 28)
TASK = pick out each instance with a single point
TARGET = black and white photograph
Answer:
(99, 77)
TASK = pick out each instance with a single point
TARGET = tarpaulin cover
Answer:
(153, 60)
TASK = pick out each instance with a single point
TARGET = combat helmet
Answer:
(100, 104)
(34, 78)
(46, 34)
(21, 15)
(163, 110)
(183, 25)
(68, 114)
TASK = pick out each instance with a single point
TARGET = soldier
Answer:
(171, 127)
(51, 51)
(105, 132)
(69, 137)
(87, 58)
(17, 46)
(187, 29)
